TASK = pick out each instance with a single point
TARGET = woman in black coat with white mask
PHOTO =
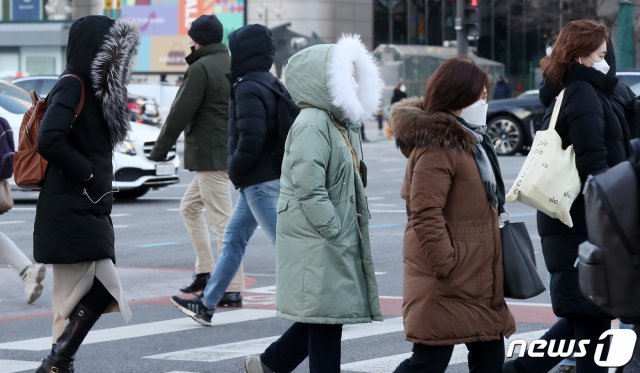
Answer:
(594, 119)
(73, 229)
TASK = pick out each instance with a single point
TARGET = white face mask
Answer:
(601, 66)
(476, 114)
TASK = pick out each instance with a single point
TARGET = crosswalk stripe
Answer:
(234, 350)
(389, 363)
(11, 366)
(377, 365)
(143, 330)
(264, 289)
(239, 349)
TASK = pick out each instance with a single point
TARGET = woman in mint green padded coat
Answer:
(325, 276)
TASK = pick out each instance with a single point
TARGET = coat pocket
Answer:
(283, 204)
(466, 280)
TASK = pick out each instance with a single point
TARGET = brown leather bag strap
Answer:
(81, 103)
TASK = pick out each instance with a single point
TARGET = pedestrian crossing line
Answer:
(389, 363)
(7, 222)
(263, 290)
(272, 289)
(11, 366)
(235, 350)
(144, 330)
(153, 198)
(378, 365)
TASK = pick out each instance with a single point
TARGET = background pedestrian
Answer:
(200, 110)
(253, 169)
(399, 93)
(502, 88)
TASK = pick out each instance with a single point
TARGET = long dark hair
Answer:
(454, 85)
(576, 39)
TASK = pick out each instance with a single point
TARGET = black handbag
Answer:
(521, 279)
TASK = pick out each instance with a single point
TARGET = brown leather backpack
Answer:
(28, 165)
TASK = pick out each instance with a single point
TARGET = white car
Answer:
(134, 173)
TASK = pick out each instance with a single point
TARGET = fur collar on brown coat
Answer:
(414, 128)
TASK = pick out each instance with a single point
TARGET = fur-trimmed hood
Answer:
(102, 50)
(340, 78)
(413, 128)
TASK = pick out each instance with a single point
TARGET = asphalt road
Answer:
(155, 259)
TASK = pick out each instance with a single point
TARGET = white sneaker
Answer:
(32, 277)
(253, 364)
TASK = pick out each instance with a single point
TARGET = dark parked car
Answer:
(513, 122)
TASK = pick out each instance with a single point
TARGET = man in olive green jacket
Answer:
(200, 109)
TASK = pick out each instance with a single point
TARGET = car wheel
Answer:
(131, 193)
(507, 135)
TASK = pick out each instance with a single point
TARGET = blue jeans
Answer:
(256, 205)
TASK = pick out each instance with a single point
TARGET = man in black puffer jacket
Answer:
(253, 132)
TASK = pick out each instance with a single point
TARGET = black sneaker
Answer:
(199, 282)
(195, 309)
(233, 299)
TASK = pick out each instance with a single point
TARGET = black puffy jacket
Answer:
(253, 112)
(69, 227)
(593, 118)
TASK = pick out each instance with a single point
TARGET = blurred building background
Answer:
(512, 33)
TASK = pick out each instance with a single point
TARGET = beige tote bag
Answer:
(548, 180)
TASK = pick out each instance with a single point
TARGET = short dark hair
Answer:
(456, 84)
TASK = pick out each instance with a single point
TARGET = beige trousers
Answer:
(210, 191)
(11, 254)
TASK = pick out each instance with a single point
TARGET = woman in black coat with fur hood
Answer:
(73, 229)
(594, 119)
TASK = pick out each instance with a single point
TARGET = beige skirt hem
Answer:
(72, 281)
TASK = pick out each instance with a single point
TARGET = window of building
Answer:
(41, 65)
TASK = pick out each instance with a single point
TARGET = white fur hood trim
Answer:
(357, 97)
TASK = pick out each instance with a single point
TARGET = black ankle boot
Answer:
(60, 360)
(233, 299)
(199, 282)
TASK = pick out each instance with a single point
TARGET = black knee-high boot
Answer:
(60, 360)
